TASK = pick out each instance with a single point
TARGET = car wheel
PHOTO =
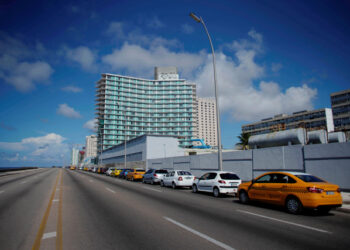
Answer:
(132, 178)
(194, 188)
(173, 185)
(143, 180)
(161, 183)
(293, 205)
(216, 192)
(243, 197)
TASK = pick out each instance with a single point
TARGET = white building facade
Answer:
(75, 157)
(206, 121)
(91, 146)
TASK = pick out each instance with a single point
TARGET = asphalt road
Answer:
(64, 209)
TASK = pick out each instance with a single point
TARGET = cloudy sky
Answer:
(272, 57)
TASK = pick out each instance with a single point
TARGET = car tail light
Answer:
(155, 175)
(338, 190)
(194, 177)
(222, 182)
(314, 190)
(180, 178)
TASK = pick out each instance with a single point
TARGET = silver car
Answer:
(154, 176)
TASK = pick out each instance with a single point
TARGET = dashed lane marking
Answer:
(156, 190)
(23, 182)
(49, 235)
(55, 200)
(286, 222)
(204, 236)
(2, 191)
(110, 190)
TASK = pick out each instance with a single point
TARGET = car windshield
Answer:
(162, 171)
(229, 176)
(139, 170)
(309, 178)
(183, 173)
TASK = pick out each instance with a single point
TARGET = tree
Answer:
(243, 141)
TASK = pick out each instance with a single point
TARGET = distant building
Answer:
(206, 121)
(75, 157)
(310, 120)
(91, 146)
(340, 102)
(128, 107)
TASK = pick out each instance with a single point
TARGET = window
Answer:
(309, 178)
(229, 176)
(211, 176)
(264, 179)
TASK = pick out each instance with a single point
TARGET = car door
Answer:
(257, 190)
(211, 181)
(168, 178)
(201, 184)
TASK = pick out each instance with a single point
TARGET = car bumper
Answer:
(317, 200)
(228, 190)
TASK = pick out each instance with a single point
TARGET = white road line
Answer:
(110, 190)
(91, 180)
(286, 222)
(204, 236)
(1, 191)
(49, 235)
(23, 182)
(156, 190)
(55, 200)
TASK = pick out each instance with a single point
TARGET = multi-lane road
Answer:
(64, 209)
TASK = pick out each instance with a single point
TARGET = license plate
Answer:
(233, 184)
(188, 178)
(330, 193)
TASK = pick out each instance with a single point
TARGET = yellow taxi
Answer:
(116, 172)
(293, 190)
(72, 168)
(135, 174)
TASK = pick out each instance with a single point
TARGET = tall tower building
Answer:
(91, 146)
(75, 157)
(128, 107)
(206, 121)
(341, 111)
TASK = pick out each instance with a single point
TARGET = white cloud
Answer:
(83, 56)
(237, 93)
(187, 29)
(275, 67)
(155, 23)
(67, 111)
(91, 125)
(46, 148)
(138, 60)
(242, 92)
(72, 89)
(15, 67)
(137, 37)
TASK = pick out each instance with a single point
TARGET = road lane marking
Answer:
(23, 182)
(204, 236)
(49, 235)
(110, 190)
(286, 222)
(1, 191)
(59, 218)
(36, 245)
(152, 189)
(55, 200)
(91, 180)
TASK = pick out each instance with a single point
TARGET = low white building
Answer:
(141, 149)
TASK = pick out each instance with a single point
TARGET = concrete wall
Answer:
(328, 161)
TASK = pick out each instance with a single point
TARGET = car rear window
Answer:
(229, 176)
(183, 173)
(140, 170)
(161, 171)
(309, 178)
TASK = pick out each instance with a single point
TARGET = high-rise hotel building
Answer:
(128, 107)
(206, 125)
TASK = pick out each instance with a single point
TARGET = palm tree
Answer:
(243, 141)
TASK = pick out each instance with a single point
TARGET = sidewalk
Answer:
(346, 203)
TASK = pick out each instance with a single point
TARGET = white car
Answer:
(177, 178)
(217, 182)
(109, 171)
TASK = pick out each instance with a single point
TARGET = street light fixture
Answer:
(200, 20)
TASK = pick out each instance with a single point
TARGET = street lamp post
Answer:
(200, 20)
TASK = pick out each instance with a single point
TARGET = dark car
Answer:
(124, 172)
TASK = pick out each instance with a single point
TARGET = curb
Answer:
(343, 209)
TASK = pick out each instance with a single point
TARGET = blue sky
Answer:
(272, 57)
